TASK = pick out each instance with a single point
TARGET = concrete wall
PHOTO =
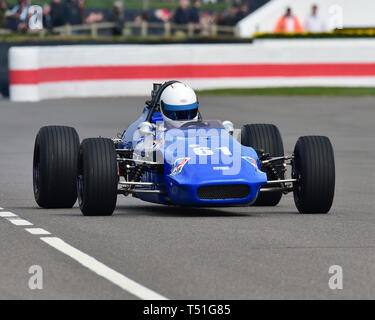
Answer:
(38, 73)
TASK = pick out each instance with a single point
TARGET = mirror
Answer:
(228, 125)
(145, 128)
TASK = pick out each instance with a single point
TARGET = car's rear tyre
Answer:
(55, 167)
(97, 177)
(314, 167)
(266, 138)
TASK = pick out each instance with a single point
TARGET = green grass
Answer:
(296, 91)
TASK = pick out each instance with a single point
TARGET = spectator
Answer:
(3, 12)
(47, 19)
(195, 16)
(161, 16)
(82, 10)
(207, 18)
(182, 13)
(220, 18)
(20, 14)
(118, 18)
(94, 17)
(244, 10)
(232, 17)
(313, 23)
(72, 13)
(57, 13)
(288, 23)
(143, 17)
(194, 13)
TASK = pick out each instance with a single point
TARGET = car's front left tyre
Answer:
(97, 177)
(55, 167)
(314, 169)
(265, 138)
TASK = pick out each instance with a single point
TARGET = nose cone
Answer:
(215, 171)
(214, 185)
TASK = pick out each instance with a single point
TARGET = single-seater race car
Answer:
(170, 155)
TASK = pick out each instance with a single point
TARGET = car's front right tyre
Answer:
(55, 167)
(97, 177)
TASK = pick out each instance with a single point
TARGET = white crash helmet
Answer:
(179, 102)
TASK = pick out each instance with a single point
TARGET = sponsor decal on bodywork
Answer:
(157, 144)
(179, 165)
(252, 162)
(221, 168)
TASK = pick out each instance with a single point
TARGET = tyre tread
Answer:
(100, 177)
(315, 163)
(58, 147)
(265, 137)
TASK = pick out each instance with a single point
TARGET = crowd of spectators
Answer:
(190, 12)
(73, 12)
(55, 14)
(234, 14)
(290, 23)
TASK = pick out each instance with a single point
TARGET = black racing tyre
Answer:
(55, 167)
(266, 138)
(314, 168)
(97, 177)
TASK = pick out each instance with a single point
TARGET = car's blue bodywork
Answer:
(222, 161)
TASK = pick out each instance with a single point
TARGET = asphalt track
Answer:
(231, 253)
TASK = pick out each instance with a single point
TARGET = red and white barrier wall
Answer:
(38, 73)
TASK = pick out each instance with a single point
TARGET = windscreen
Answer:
(186, 124)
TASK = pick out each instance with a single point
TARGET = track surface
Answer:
(232, 253)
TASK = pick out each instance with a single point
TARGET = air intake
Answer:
(220, 192)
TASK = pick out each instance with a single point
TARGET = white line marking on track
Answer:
(20, 222)
(101, 269)
(1, 208)
(7, 214)
(37, 231)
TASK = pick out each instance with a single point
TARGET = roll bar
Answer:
(156, 94)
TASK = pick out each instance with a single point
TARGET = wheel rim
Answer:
(296, 174)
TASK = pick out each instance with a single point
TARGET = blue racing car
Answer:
(171, 155)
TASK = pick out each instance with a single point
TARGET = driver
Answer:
(179, 102)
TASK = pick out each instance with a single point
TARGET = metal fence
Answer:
(145, 29)
(4, 31)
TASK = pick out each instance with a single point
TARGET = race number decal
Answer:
(205, 151)
(225, 151)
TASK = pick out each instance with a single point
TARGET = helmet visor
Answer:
(186, 112)
(181, 115)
